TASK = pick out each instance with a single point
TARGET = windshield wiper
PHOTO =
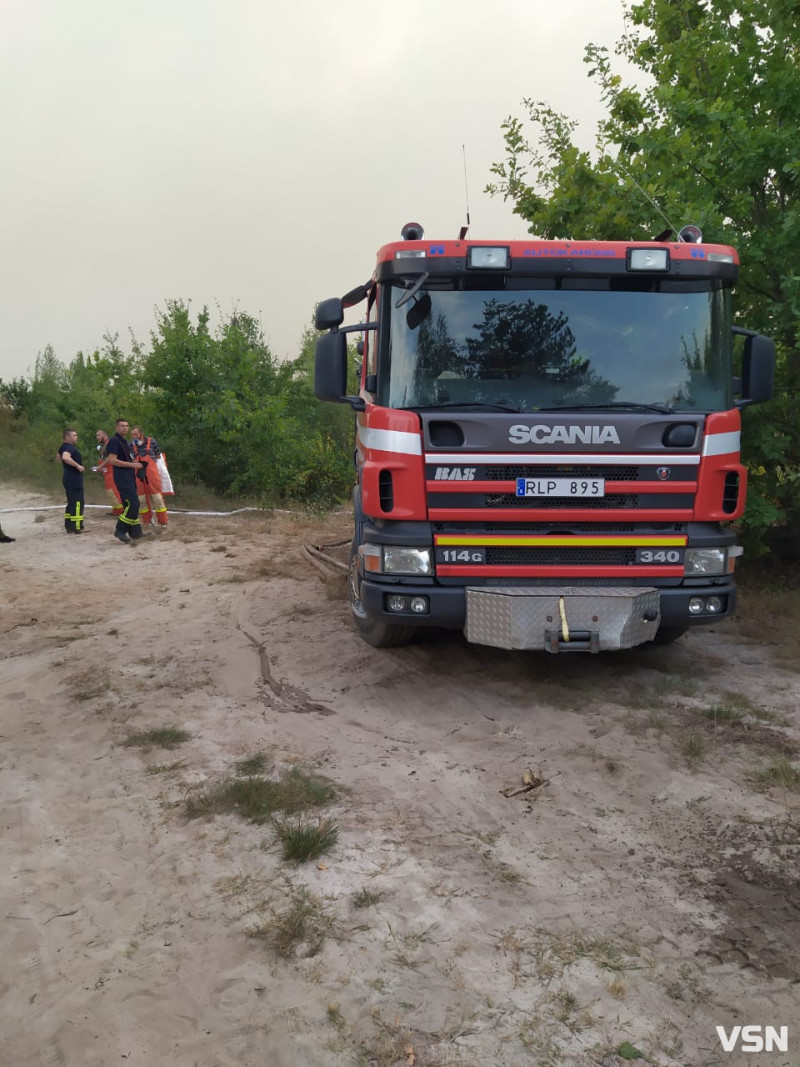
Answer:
(468, 404)
(625, 405)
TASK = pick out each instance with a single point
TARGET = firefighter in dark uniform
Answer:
(72, 480)
(119, 455)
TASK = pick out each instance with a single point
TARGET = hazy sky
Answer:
(252, 153)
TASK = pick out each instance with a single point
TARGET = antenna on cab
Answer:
(672, 229)
(462, 233)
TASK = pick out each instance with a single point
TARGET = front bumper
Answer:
(622, 613)
(562, 620)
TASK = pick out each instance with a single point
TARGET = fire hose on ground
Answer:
(318, 555)
(323, 560)
(172, 511)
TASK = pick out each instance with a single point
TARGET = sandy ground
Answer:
(647, 893)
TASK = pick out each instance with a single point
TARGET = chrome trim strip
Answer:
(407, 444)
(720, 444)
(663, 459)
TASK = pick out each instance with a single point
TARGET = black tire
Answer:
(377, 634)
(667, 634)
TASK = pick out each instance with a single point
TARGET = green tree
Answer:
(230, 416)
(16, 396)
(234, 418)
(312, 441)
(711, 139)
(179, 374)
(102, 387)
(49, 388)
(33, 415)
(204, 390)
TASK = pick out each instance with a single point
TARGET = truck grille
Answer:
(614, 500)
(570, 557)
(539, 528)
(611, 473)
(560, 554)
(669, 487)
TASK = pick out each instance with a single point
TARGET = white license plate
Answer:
(561, 486)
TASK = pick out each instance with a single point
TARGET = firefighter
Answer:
(72, 480)
(108, 474)
(119, 455)
(151, 500)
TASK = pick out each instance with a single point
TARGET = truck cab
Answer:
(547, 439)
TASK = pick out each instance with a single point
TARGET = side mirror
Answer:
(329, 314)
(330, 371)
(330, 366)
(758, 369)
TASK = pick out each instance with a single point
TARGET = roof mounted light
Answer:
(692, 235)
(648, 259)
(412, 231)
(484, 257)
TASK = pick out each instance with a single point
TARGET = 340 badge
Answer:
(667, 556)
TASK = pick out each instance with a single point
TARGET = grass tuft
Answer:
(726, 712)
(781, 772)
(733, 707)
(305, 922)
(89, 683)
(165, 768)
(252, 765)
(258, 799)
(302, 840)
(367, 898)
(335, 1017)
(694, 749)
(617, 988)
(161, 737)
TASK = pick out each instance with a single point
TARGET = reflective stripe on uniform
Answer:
(124, 516)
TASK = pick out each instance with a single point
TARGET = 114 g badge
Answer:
(460, 555)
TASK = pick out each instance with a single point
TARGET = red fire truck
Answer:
(547, 438)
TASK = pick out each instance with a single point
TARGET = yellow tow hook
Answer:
(563, 613)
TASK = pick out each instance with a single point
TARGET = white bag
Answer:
(166, 481)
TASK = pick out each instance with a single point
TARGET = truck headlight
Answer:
(400, 559)
(700, 561)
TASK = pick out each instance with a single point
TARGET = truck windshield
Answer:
(530, 349)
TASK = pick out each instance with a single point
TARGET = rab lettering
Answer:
(563, 435)
(455, 474)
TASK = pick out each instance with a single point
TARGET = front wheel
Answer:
(378, 634)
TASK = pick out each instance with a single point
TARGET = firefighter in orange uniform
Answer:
(108, 474)
(151, 500)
